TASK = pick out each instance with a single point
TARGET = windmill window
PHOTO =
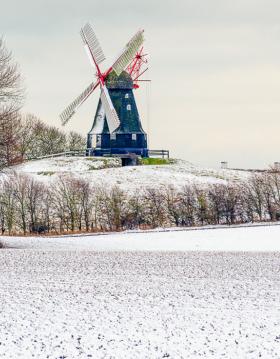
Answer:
(98, 140)
(92, 141)
(134, 136)
(113, 136)
(128, 107)
(126, 95)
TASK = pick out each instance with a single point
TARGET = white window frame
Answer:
(128, 107)
(134, 136)
(126, 95)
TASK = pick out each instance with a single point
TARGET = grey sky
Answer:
(214, 66)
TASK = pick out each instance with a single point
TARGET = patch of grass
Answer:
(46, 173)
(106, 162)
(90, 158)
(219, 177)
(112, 162)
(64, 160)
(93, 168)
(208, 174)
(146, 161)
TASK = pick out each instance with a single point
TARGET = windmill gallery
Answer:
(116, 129)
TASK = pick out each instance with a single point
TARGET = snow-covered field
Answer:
(254, 238)
(179, 294)
(108, 173)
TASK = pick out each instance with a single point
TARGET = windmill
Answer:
(116, 127)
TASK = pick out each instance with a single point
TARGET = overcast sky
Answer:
(214, 66)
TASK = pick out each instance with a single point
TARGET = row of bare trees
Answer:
(36, 138)
(28, 137)
(74, 205)
(25, 136)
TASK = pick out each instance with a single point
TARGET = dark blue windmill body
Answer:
(129, 137)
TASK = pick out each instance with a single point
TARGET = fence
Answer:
(60, 154)
(102, 152)
(160, 153)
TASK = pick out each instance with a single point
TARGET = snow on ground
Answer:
(87, 300)
(66, 164)
(108, 173)
(260, 238)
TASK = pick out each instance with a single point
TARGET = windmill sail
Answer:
(111, 114)
(128, 52)
(92, 44)
(71, 109)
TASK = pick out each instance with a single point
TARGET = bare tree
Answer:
(48, 218)
(26, 136)
(87, 203)
(76, 142)
(20, 183)
(202, 206)
(36, 138)
(231, 202)
(172, 203)
(54, 141)
(118, 204)
(8, 204)
(111, 207)
(216, 195)
(66, 202)
(10, 79)
(2, 215)
(11, 97)
(35, 198)
(48, 139)
(188, 206)
(155, 209)
(254, 189)
(136, 211)
(9, 128)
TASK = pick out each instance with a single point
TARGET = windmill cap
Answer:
(123, 81)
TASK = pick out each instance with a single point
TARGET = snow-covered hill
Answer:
(109, 172)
